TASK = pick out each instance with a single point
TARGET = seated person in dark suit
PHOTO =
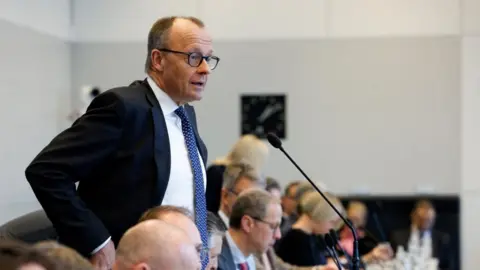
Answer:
(236, 179)
(254, 228)
(248, 150)
(289, 207)
(29, 228)
(423, 219)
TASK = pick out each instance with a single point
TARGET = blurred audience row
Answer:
(252, 225)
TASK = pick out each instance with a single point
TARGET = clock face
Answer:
(262, 114)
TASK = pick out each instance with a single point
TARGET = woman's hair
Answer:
(303, 188)
(67, 258)
(315, 206)
(249, 150)
(14, 254)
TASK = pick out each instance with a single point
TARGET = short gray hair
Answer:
(253, 203)
(159, 34)
(235, 171)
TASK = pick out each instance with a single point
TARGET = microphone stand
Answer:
(275, 142)
(331, 250)
(335, 238)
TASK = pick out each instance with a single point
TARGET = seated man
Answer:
(254, 228)
(179, 217)
(236, 179)
(289, 206)
(421, 232)
(65, 257)
(154, 244)
(216, 233)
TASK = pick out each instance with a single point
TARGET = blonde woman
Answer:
(249, 150)
(300, 245)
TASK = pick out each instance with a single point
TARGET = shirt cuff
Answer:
(101, 246)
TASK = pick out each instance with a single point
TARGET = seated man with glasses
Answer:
(237, 178)
(254, 228)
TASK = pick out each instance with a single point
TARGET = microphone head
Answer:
(274, 140)
(329, 241)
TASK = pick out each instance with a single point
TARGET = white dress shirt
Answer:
(180, 189)
(224, 218)
(237, 254)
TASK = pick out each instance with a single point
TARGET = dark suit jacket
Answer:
(225, 259)
(119, 151)
(440, 246)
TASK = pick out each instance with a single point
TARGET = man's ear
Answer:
(142, 266)
(224, 194)
(158, 60)
(247, 223)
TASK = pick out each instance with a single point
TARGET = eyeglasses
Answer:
(195, 59)
(273, 226)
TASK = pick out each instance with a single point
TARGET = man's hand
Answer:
(105, 257)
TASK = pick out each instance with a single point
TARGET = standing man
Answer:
(136, 147)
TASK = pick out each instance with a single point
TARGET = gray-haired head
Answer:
(249, 149)
(236, 171)
(254, 203)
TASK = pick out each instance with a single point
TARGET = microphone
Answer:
(277, 143)
(331, 249)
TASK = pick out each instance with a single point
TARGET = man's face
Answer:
(289, 204)
(265, 232)
(229, 196)
(215, 250)
(358, 216)
(190, 259)
(424, 218)
(183, 82)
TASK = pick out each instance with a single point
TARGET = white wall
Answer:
(470, 193)
(126, 20)
(50, 17)
(34, 91)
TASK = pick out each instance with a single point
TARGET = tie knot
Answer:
(180, 111)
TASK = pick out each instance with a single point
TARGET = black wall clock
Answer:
(262, 114)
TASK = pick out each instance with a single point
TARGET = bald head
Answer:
(179, 217)
(154, 244)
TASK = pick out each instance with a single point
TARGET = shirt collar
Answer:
(224, 218)
(237, 254)
(166, 102)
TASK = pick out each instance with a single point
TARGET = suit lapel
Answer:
(271, 258)
(161, 146)
(226, 258)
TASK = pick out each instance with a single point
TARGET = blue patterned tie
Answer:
(200, 202)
